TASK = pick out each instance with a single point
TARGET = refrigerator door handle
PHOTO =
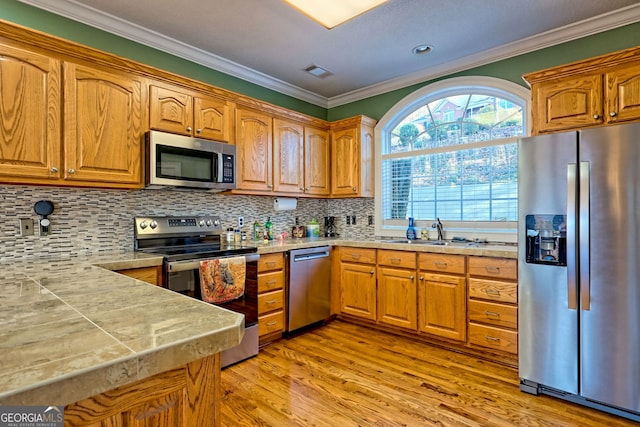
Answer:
(585, 243)
(572, 288)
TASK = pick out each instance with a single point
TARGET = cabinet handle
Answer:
(54, 169)
(395, 260)
(596, 116)
(271, 263)
(492, 314)
(272, 323)
(493, 270)
(490, 338)
(271, 282)
(271, 302)
(189, 129)
(355, 256)
(612, 114)
(71, 171)
(492, 292)
(198, 130)
(441, 264)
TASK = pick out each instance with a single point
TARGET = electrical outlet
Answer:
(26, 227)
(348, 220)
(353, 219)
(370, 219)
(240, 221)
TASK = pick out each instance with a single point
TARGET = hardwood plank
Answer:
(344, 374)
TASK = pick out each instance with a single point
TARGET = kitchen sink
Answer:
(434, 242)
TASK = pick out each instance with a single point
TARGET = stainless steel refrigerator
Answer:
(579, 267)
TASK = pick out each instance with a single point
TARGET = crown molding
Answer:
(588, 27)
(114, 25)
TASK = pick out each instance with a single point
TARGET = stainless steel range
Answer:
(184, 242)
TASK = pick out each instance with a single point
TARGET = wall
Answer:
(87, 221)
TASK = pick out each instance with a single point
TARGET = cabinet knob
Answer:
(54, 169)
(372, 272)
(421, 278)
(612, 114)
(198, 130)
(301, 188)
(596, 116)
(412, 277)
(355, 189)
(307, 189)
(269, 185)
(189, 129)
(71, 171)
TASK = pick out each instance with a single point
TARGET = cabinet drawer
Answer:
(501, 315)
(442, 263)
(493, 290)
(270, 281)
(269, 262)
(496, 338)
(270, 301)
(397, 258)
(359, 255)
(499, 268)
(269, 323)
(151, 275)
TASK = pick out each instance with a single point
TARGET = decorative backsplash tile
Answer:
(88, 221)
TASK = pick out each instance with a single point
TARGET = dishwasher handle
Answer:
(310, 256)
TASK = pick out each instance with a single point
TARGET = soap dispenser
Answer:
(411, 230)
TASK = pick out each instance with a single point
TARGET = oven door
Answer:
(184, 277)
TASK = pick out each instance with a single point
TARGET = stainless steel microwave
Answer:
(182, 161)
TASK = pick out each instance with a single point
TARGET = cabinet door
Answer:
(442, 305)
(397, 296)
(366, 162)
(345, 163)
(288, 157)
(358, 290)
(103, 126)
(568, 103)
(255, 152)
(30, 106)
(317, 161)
(170, 110)
(623, 94)
(212, 118)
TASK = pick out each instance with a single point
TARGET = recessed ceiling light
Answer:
(332, 13)
(422, 49)
(318, 71)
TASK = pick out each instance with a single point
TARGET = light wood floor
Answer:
(347, 375)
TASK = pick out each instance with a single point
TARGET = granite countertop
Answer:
(70, 329)
(501, 250)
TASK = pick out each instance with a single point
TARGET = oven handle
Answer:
(176, 266)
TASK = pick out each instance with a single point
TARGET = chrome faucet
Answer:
(438, 226)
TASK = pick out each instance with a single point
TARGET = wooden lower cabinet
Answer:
(493, 303)
(183, 397)
(271, 301)
(442, 297)
(358, 282)
(151, 275)
(397, 295)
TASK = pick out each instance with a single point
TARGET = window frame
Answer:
(491, 231)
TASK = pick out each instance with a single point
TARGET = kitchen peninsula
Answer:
(107, 346)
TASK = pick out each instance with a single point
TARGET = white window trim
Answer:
(502, 232)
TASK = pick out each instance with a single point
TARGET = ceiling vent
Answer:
(318, 71)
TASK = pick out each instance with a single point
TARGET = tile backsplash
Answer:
(89, 221)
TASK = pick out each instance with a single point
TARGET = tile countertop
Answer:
(70, 329)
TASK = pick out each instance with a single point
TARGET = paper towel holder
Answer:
(285, 203)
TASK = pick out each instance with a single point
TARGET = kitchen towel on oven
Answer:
(222, 280)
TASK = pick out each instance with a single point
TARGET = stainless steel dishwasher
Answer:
(308, 291)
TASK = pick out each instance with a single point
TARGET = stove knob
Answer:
(209, 223)
(143, 224)
(201, 223)
(153, 224)
(216, 222)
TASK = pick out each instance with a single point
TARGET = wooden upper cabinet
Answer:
(317, 162)
(102, 126)
(30, 109)
(255, 151)
(189, 113)
(623, 93)
(597, 91)
(352, 157)
(288, 156)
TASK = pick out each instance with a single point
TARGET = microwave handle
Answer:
(219, 167)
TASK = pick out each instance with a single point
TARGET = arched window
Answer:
(449, 151)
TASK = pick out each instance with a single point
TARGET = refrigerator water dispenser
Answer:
(546, 239)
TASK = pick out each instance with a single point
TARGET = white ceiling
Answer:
(269, 43)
